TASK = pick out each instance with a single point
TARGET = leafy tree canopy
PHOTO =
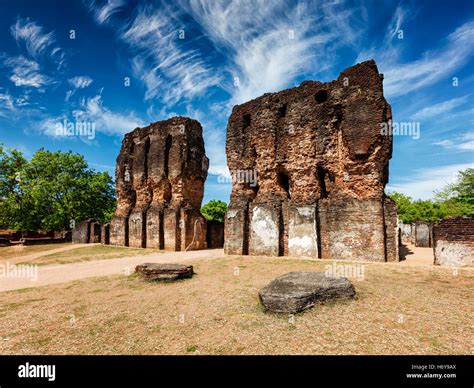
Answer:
(453, 200)
(51, 190)
(214, 210)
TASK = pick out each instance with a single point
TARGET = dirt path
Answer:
(416, 255)
(62, 273)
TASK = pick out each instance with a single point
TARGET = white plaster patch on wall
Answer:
(302, 233)
(304, 242)
(264, 227)
(231, 214)
(453, 254)
(306, 211)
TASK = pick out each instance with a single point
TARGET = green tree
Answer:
(404, 205)
(51, 190)
(453, 200)
(214, 210)
(457, 199)
(13, 202)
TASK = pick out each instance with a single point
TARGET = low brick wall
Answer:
(43, 240)
(4, 242)
(454, 241)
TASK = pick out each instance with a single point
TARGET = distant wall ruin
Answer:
(160, 175)
(423, 231)
(453, 241)
(321, 157)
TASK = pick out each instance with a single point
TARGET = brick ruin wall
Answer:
(321, 162)
(160, 175)
(453, 241)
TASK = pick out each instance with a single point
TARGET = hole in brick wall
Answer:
(254, 152)
(246, 119)
(321, 96)
(324, 181)
(255, 190)
(284, 183)
(169, 141)
(282, 110)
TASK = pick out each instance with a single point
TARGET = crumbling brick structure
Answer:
(453, 242)
(320, 152)
(160, 175)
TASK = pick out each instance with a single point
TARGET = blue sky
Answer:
(120, 64)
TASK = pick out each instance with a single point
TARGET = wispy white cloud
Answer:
(32, 35)
(168, 70)
(396, 22)
(26, 72)
(422, 183)
(103, 11)
(38, 44)
(6, 101)
(269, 44)
(80, 82)
(106, 121)
(92, 111)
(37, 47)
(401, 78)
(463, 142)
(440, 108)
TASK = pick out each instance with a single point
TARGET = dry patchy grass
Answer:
(94, 252)
(15, 251)
(398, 310)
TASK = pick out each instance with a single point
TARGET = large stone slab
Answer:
(164, 272)
(298, 291)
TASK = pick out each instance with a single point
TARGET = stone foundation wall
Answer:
(320, 158)
(453, 241)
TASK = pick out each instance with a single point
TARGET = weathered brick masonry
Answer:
(321, 160)
(454, 241)
(160, 175)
